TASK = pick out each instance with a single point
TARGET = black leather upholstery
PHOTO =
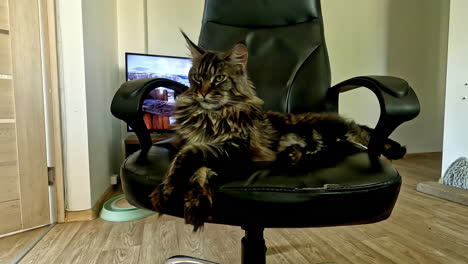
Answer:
(287, 51)
(360, 189)
(398, 104)
(264, 13)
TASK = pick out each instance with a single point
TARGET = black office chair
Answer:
(288, 63)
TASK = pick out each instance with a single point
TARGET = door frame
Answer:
(54, 126)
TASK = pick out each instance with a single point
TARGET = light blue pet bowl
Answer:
(111, 212)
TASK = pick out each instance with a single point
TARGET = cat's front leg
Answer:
(163, 193)
(170, 191)
(227, 159)
(198, 200)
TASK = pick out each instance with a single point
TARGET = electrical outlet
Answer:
(113, 179)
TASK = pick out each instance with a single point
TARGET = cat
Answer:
(220, 119)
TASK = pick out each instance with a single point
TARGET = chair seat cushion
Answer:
(358, 189)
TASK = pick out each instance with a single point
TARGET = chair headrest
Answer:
(260, 13)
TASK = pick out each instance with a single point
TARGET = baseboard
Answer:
(444, 191)
(93, 213)
(422, 154)
(78, 216)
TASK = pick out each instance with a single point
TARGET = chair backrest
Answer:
(288, 60)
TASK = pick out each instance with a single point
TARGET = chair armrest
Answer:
(398, 104)
(127, 105)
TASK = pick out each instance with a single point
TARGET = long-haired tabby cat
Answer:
(220, 119)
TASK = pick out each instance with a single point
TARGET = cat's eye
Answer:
(219, 78)
(196, 78)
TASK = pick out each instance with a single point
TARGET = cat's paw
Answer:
(393, 152)
(291, 155)
(295, 154)
(197, 207)
(160, 197)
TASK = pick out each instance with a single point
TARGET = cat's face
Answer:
(213, 79)
(217, 79)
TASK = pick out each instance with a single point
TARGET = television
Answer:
(159, 105)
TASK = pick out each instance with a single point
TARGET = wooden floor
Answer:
(14, 245)
(422, 230)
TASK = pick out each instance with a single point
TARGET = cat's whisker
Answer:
(238, 103)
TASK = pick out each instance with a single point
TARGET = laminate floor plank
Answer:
(160, 239)
(124, 235)
(128, 255)
(12, 246)
(52, 245)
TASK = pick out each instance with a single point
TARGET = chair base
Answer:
(253, 250)
(253, 246)
(186, 260)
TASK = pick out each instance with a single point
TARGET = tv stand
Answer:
(132, 144)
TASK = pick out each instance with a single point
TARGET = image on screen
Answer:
(159, 105)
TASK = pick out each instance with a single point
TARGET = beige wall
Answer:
(131, 26)
(403, 38)
(137, 20)
(386, 37)
(169, 16)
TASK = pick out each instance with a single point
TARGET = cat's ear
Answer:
(240, 55)
(194, 49)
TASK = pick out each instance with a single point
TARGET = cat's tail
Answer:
(392, 149)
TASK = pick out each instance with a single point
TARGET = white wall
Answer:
(89, 77)
(102, 81)
(73, 98)
(456, 108)
(403, 38)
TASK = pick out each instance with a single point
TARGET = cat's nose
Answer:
(204, 90)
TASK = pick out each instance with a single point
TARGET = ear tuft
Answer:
(240, 54)
(194, 49)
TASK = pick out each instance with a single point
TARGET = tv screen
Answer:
(159, 105)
